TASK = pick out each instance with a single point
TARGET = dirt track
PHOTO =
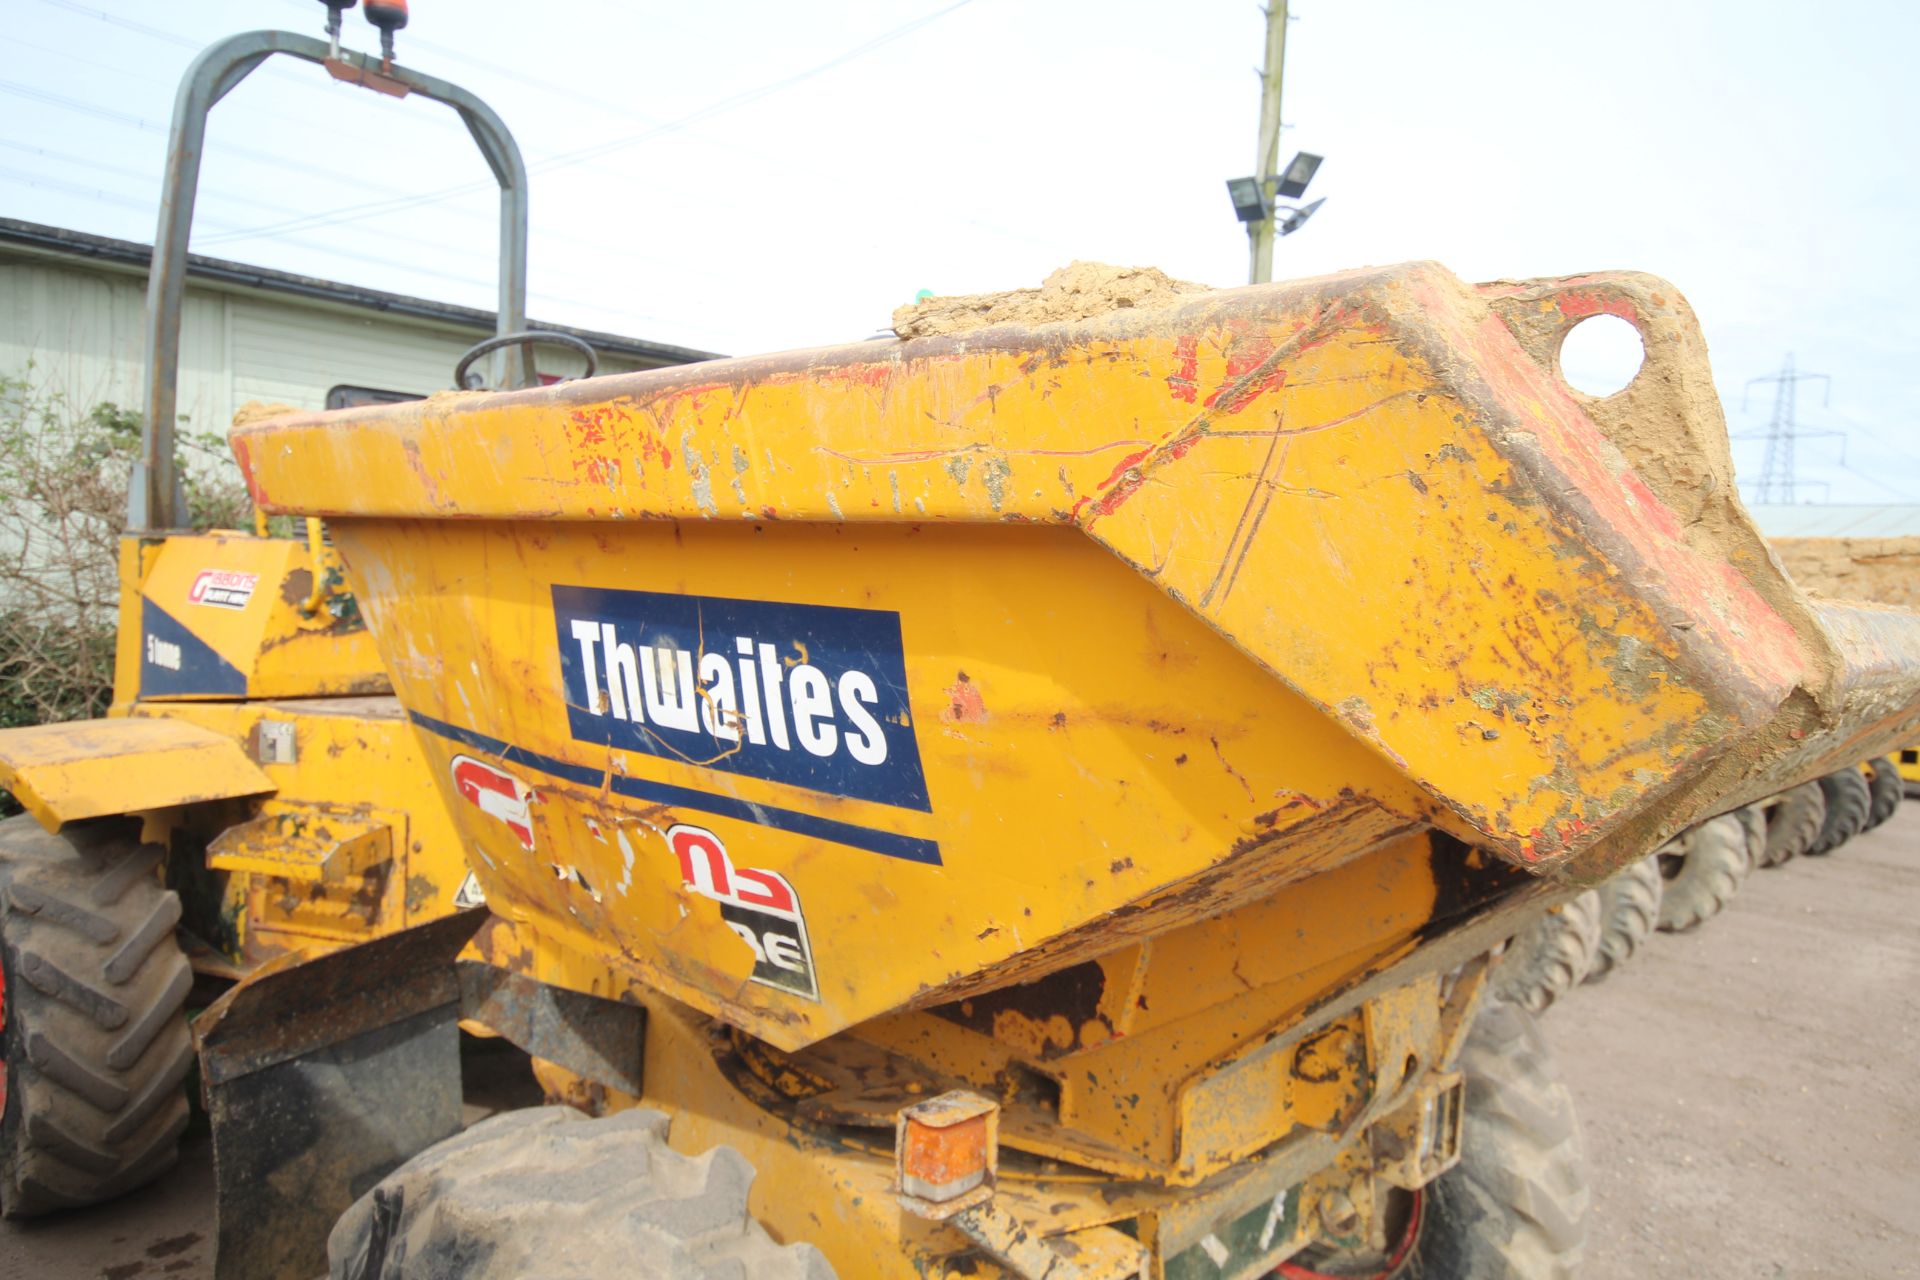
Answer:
(1749, 1094)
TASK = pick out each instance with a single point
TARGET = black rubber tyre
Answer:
(1794, 824)
(1884, 790)
(95, 1042)
(550, 1192)
(1515, 1207)
(1753, 829)
(1550, 956)
(1629, 910)
(1701, 870)
(1849, 803)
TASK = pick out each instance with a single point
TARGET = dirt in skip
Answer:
(1882, 570)
(1745, 1089)
(1074, 292)
(260, 411)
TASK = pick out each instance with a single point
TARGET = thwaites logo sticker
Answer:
(810, 695)
(760, 906)
(222, 588)
(498, 794)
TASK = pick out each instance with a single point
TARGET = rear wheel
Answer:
(1629, 910)
(554, 1193)
(1701, 870)
(93, 1046)
(1794, 824)
(1849, 803)
(1551, 956)
(1515, 1206)
(1884, 790)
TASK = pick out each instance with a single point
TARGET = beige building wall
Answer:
(78, 328)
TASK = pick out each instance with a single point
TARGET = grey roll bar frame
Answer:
(157, 498)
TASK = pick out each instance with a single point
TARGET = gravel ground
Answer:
(1748, 1093)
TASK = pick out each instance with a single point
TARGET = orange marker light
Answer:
(388, 15)
(947, 1150)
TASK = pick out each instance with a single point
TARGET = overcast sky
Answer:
(758, 175)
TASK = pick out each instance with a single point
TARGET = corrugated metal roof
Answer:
(1837, 520)
(60, 242)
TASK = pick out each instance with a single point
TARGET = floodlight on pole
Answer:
(1255, 201)
(1291, 220)
(1299, 172)
(1250, 202)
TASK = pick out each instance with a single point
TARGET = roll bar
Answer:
(157, 499)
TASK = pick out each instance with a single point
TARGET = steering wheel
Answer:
(525, 340)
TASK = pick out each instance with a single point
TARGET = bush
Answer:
(63, 505)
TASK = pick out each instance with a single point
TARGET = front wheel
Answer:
(550, 1192)
(93, 1041)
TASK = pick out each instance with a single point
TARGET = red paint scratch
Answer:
(964, 703)
(1240, 389)
(940, 455)
(1578, 304)
(1183, 383)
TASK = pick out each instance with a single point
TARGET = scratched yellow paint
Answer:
(1061, 788)
(865, 1233)
(354, 760)
(65, 773)
(367, 846)
(1340, 546)
(262, 629)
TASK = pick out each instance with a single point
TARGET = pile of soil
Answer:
(1074, 292)
(1882, 570)
(260, 411)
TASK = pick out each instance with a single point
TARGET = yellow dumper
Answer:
(1054, 787)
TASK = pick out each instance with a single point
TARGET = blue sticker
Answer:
(175, 662)
(813, 696)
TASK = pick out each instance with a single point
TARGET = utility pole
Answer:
(1777, 472)
(1260, 234)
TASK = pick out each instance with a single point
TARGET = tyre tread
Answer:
(1849, 804)
(1885, 790)
(1794, 824)
(510, 1196)
(96, 1043)
(1552, 955)
(1714, 860)
(1516, 1205)
(1630, 911)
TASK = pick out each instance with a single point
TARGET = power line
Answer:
(185, 42)
(296, 164)
(289, 76)
(572, 93)
(1901, 494)
(559, 301)
(213, 196)
(564, 159)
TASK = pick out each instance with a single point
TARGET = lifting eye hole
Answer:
(1601, 355)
